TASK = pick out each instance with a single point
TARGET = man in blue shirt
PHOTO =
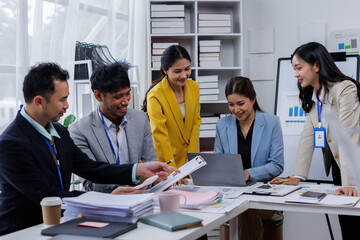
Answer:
(37, 156)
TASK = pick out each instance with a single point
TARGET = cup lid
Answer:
(51, 201)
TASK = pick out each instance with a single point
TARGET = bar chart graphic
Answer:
(292, 115)
(296, 111)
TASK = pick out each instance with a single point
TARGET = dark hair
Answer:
(109, 78)
(242, 86)
(40, 80)
(168, 58)
(313, 53)
(171, 55)
(144, 105)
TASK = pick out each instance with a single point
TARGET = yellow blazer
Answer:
(342, 98)
(174, 137)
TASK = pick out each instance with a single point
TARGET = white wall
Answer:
(285, 16)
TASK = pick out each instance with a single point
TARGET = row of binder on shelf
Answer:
(167, 18)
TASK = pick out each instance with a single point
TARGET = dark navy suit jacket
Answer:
(28, 172)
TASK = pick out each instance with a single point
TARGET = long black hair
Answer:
(315, 53)
(172, 54)
(242, 86)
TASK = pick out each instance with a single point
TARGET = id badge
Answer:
(319, 137)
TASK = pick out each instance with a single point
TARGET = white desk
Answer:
(211, 220)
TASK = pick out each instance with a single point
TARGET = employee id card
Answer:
(319, 137)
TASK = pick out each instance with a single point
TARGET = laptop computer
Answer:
(220, 170)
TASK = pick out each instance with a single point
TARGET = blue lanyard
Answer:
(111, 145)
(57, 161)
(319, 108)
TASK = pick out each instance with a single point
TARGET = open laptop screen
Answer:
(220, 170)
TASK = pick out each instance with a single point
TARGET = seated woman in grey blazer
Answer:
(257, 137)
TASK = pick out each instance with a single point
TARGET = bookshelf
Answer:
(201, 23)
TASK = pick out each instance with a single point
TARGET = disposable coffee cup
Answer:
(51, 210)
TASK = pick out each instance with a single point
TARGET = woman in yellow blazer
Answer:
(174, 109)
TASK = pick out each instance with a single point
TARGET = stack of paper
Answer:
(167, 18)
(197, 200)
(209, 53)
(108, 207)
(228, 192)
(214, 23)
(157, 50)
(208, 126)
(209, 87)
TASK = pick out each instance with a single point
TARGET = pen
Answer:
(170, 161)
(270, 185)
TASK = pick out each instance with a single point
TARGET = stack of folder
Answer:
(214, 23)
(167, 18)
(157, 50)
(209, 87)
(108, 207)
(208, 126)
(209, 53)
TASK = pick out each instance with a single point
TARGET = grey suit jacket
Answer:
(89, 135)
(343, 99)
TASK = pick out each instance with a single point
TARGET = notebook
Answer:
(72, 237)
(220, 170)
(172, 221)
(113, 229)
(313, 195)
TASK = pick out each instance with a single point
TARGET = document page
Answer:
(229, 192)
(189, 167)
(275, 190)
(329, 200)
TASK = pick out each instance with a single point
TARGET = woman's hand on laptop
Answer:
(246, 175)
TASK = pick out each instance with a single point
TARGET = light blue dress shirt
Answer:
(119, 143)
(118, 140)
(48, 133)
